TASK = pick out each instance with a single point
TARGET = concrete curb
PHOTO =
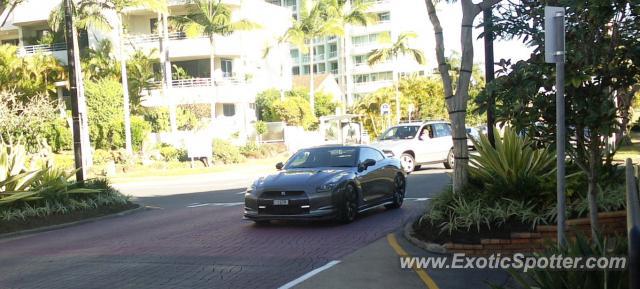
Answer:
(79, 222)
(429, 247)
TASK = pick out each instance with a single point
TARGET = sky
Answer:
(450, 16)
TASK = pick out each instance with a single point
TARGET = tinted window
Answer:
(441, 130)
(367, 153)
(400, 132)
(323, 157)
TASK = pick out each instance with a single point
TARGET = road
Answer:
(193, 236)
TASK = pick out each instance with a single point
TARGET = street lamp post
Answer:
(489, 71)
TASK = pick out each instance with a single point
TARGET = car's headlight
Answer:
(327, 187)
(256, 184)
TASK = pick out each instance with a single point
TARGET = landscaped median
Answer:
(39, 195)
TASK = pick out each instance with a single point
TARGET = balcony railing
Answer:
(334, 71)
(318, 57)
(146, 38)
(31, 49)
(202, 82)
(333, 54)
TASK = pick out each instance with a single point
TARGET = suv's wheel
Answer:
(408, 162)
(348, 209)
(450, 162)
(399, 186)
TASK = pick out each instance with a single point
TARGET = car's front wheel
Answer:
(348, 209)
(399, 187)
(408, 162)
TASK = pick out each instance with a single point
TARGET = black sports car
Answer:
(327, 182)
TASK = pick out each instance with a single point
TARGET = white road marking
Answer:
(417, 199)
(216, 204)
(309, 275)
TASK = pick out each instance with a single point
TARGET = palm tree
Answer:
(399, 48)
(317, 18)
(92, 7)
(211, 18)
(351, 12)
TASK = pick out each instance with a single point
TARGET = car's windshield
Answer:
(400, 132)
(323, 157)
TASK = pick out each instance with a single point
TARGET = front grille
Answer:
(280, 195)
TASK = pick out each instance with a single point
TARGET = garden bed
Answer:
(514, 237)
(57, 219)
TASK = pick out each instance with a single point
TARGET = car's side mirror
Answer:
(365, 164)
(279, 166)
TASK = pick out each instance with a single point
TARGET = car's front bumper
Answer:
(302, 206)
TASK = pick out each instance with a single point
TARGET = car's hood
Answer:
(389, 144)
(301, 177)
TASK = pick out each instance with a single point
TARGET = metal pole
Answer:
(73, 89)
(489, 72)
(560, 126)
(633, 226)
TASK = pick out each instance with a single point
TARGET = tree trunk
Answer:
(212, 63)
(592, 191)
(125, 88)
(312, 91)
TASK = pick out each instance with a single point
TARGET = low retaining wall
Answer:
(611, 223)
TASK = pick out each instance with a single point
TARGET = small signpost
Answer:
(385, 111)
(554, 52)
(411, 109)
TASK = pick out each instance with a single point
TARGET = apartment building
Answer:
(241, 68)
(346, 57)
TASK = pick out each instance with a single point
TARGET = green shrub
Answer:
(226, 153)
(170, 153)
(58, 135)
(101, 156)
(572, 278)
(157, 117)
(105, 112)
(139, 131)
(513, 169)
(295, 111)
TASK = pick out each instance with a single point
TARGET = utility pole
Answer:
(489, 71)
(73, 89)
(555, 53)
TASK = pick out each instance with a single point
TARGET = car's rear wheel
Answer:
(399, 187)
(348, 209)
(450, 162)
(408, 162)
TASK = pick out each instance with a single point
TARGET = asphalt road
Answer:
(194, 237)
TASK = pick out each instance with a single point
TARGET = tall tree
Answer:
(398, 48)
(317, 18)
(119, 8)
(602, 73)
(457, 100)
(211, 18)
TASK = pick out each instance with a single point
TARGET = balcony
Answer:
(58, 50)
(333, 54)
(228, 89)
(318, 57)
(182, 46)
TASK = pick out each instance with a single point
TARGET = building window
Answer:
(321, 68)
(228, 109)
(10, 42)
(360, 60)
(295, 53)
(295, 70)
(384, 16)
(373, 77)
(333, 66)
(364, 40)
(305, 69)
(227, 67)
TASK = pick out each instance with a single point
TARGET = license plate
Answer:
(280, 202)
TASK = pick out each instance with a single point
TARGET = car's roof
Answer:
(340, 146)
(422, 122)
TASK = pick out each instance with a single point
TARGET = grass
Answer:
(631, 150)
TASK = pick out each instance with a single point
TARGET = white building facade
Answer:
(346, 57)
(241, 68)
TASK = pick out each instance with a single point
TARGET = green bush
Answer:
(158, 118)
(139, 131)
(513, 169)
(295, 111)
(170, 153)
(58, 135)
(226, 153)
(576, 279)
(105, 112)
(101, 156)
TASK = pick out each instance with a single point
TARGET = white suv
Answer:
(419, 143)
